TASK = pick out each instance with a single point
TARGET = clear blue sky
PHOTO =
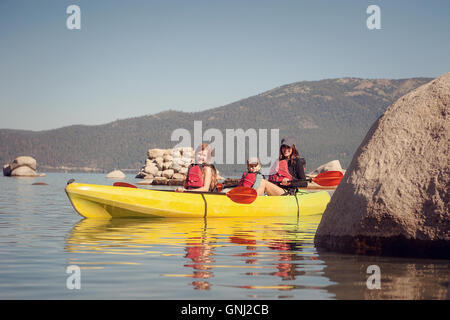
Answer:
(133, 57)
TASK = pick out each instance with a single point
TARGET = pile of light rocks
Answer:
(23, 166)
(167, 166)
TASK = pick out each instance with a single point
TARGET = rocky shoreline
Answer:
(167, 166)
(162, 167)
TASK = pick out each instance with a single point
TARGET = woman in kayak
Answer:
(201, 175)
(289, 166)
(254, 179)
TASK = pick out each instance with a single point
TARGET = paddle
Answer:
(246, 195)
(328, 178)
(241, 195)
(324, 179)
(124, 184)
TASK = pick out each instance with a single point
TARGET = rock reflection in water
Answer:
(399, 277)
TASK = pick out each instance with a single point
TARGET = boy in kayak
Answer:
(254, 179)
(201, 175)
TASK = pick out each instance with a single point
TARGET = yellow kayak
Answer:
(105, 202)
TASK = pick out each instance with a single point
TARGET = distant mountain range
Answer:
(329, 118)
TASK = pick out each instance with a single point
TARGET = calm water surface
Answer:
(41, 235)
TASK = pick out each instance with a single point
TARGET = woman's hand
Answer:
(180, 189)
(285, 182)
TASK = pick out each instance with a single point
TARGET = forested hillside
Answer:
(329, 118)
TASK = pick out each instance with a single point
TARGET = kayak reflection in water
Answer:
(254, 179)
(201, 175)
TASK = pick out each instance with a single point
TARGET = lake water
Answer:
(41, 236)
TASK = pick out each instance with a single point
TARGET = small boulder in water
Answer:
(334, 165)
(116, 174)
(23, 166)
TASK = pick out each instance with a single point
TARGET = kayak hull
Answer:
(106, 202)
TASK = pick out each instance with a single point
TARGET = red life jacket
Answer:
(194, 178)
(248, 179)
(282, 172)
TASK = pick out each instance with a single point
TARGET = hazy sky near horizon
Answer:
(136, 57)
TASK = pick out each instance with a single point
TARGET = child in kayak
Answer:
(254, 179)
(201, 175)
(289, 166)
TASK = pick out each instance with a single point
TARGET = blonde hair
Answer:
(200, 148)
(258, 164)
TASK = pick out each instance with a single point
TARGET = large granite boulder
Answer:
(394, 197)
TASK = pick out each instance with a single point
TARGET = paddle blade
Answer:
(242, 195)
(124, 184)
(328, 178)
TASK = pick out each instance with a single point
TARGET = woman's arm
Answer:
(300, 170)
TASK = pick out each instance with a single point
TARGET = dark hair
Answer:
(294, 155)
